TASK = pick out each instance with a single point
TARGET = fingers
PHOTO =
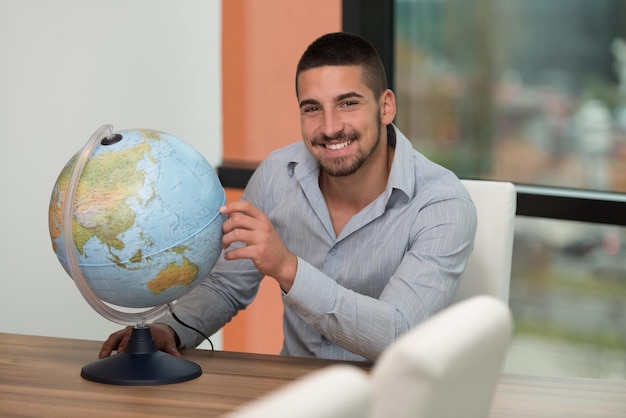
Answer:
(244, 224)
(243, 215)
(241, 206)
(163, 336)
(116, 341)
(247, 225)
(171, 349)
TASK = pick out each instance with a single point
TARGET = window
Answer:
(532, 92)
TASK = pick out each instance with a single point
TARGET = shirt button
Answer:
(333, 251)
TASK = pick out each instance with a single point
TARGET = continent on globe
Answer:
(146, 223)
(101, 209)
(174, 275)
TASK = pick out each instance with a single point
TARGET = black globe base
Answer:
(141, 365)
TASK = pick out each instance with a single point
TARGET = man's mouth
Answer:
(339, 146)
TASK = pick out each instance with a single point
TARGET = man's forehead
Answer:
(332, 80)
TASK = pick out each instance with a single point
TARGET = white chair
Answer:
(339, 391)
(447, 366)
(488, 271)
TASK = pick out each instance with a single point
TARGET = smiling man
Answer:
(365, 236)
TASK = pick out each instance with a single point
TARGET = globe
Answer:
(146, 224)
(134, 219)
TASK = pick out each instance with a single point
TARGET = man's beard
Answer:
(346, 166)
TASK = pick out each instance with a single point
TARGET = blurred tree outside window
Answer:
(533, 92)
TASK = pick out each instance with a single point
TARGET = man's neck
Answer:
(346, 196)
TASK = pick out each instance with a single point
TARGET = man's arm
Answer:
(423, 283)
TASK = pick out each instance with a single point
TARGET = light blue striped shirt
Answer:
(395, 263)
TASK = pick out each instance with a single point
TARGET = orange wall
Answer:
(262, 41)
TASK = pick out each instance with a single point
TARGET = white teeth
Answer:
(338, 146)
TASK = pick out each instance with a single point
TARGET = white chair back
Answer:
(447, 366)
(340, 391)
(488, 271)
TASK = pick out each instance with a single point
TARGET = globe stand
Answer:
(141, 364)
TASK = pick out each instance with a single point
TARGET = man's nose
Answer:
(332, 124)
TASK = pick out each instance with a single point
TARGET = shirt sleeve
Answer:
(230, 287)
(424, 282)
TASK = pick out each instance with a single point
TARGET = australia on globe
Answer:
(146, 225)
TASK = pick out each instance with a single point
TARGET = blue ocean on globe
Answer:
(146, 225)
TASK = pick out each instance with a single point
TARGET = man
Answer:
(365, 236)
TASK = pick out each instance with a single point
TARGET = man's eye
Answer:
(349, 103)
(310, 109)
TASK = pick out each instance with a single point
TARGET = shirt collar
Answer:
(401, 175)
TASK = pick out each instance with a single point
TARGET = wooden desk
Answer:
(40, 377)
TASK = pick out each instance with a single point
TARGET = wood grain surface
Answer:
(40, 377)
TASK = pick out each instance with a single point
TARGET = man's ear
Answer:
(387, 107)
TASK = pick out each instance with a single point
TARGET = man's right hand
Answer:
(163, 335)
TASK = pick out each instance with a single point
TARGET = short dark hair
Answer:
(341, 48)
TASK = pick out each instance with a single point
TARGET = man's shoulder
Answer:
(292, 152)
(286, 159)
(430, 180)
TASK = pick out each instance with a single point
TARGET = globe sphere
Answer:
(146, 225)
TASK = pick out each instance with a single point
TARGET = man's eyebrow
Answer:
(348, 96)
(307, 102)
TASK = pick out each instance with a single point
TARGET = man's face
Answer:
(340, 118)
